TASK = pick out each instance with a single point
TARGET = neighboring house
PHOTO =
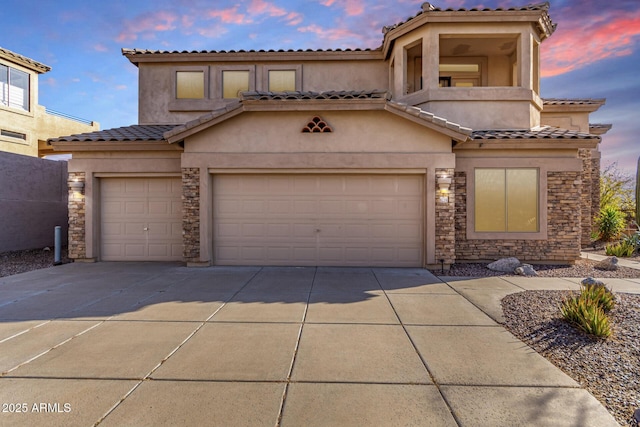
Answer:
(432, 149)
(25, 126)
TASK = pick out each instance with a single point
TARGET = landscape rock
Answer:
(609, 264)
(590, 281)
(525, 270)
(504, 265)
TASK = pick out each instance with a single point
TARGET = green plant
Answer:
(588, 311)
(621, 249)
(600, 295)
(610, 223)
(587, 316)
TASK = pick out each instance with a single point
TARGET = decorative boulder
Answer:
(525, 270)
(590, 281)
(505, 265)
(609, 264)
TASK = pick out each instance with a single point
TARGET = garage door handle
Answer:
(318, 230)
(146, 229)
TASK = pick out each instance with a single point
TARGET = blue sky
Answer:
(595, 52)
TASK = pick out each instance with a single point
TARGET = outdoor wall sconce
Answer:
(76, 185)
(444, 183)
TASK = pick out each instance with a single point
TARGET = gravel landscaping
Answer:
(607, 368)
(16, 262)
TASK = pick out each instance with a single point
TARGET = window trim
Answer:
(217, 87)
(264, 74)
(541, 234)
(190, 104)
(29, 90)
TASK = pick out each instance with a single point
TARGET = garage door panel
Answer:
(318, 220)
(141, 219)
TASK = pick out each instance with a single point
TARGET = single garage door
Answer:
(141, 219)
(324, 219)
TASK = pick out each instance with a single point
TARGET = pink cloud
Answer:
(259, 7)
(99, 47)
(230, 16)
(331, 34)
(147, 24)
(351, 7)
(573, 46)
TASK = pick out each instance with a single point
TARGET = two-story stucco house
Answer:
(25, 126)
(432, 149)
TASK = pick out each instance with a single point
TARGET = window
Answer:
(189, 84)
(282, 80)
(234, 82)
(12, 134)
(413, 70)
(506, 200)
(14, 88)
(460, 75)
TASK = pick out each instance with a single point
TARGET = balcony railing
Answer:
(67, 116)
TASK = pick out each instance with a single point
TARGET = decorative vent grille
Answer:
(317, 125)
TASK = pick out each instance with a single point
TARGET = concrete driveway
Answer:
(159, 344)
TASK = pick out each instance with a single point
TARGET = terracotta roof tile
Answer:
(293, 95)
(430, 8)
(430, 117)
(38, 66)
(127, 133)
(544, 132)
(127, 51)
(569, 101)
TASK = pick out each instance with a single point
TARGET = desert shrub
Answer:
(633, 240)
(600, 295)
(610, 223)
(587, 311)
(622, 249)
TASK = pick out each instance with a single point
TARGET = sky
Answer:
(594, 53)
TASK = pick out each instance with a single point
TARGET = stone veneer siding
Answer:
(191, 213)
(586, 196)
(445, 221)
(77, 242)
(563, 228)
(595, 188)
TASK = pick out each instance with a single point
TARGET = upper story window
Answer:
(282, 80)
(479, 60)
(234, 82)
(413, 69)
(464, 74)
(14, 88)
(190, 84)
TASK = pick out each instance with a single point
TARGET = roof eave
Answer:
(529, 144)
(78, 146)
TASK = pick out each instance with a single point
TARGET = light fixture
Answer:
(76, 185)
(444, 183)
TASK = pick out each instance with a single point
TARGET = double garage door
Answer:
(280, 219)
(324, 219)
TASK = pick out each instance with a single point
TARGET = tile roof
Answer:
(569, 101)
(343, 94)
(544, 132)
(429, 8)
(28, 62)
(126, 133)
(430, 117)
(127, 51)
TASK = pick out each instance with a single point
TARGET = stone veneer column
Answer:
(191, 214)
(595, 184)
(586, 197)
(445, 220)
(77, 243)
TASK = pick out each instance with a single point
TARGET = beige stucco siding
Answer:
(353, 132)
